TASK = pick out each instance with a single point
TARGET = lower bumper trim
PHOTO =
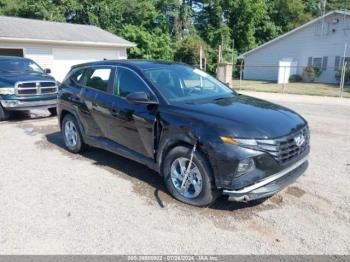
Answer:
(270, 185)
(26, 105)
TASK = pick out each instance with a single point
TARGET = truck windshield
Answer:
(184, 84)
(19, 65)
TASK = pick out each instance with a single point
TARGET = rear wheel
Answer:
(53, 111)
(197, 187)
(4, 114)
(71, 134)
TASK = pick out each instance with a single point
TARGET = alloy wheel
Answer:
(71, 134)
(193, 185)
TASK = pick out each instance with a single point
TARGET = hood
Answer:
(12, 78)
(245, 117)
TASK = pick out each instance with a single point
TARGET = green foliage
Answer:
(175, 29)
(295, 78)
(187, 50)
(347, 75)
(150, 45)
(311, 73)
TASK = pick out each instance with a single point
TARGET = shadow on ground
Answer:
(146, 182)
(21, 116)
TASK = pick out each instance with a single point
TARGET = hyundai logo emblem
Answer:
(299, 140)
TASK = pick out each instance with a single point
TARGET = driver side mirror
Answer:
(140, 98)
(47, 71)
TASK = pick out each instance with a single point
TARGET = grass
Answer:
(315, 89)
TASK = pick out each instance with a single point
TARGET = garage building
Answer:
(58, 46)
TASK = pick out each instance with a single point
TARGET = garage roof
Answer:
(38, 31)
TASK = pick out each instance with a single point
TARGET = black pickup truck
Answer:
(24, 85)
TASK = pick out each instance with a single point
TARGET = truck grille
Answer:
(287, 148)
(36, 88)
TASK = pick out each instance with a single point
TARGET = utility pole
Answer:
(233, 50)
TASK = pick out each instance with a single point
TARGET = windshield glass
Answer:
(184, 84)
(19, 65)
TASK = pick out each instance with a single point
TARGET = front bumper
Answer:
(27, 105)
(269, 185)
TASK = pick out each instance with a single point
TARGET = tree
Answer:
(187, 50)
(150, 45)
(287, 14)
(245, 18)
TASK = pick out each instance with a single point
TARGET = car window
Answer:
(184, 84)
(128, 82)
(75, 77)
(98, 78)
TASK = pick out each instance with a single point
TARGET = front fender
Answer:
(182, 132)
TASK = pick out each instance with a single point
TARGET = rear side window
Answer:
(128, 82)
(98, 78)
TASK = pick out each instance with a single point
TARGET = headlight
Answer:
(7, 91)
(245, 166)
(238, 141)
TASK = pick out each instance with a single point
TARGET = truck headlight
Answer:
(245, 166)
(7, 91)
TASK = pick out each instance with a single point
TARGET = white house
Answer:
(319, 43)
(58, 46)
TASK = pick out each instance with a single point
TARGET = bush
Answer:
(310, 73)
(347, 75)
(295, 78)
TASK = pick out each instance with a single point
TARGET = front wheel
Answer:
(4, 114)
(195, 187)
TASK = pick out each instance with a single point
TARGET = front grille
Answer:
(286, 148)
(36, 88)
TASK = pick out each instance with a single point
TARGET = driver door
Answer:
(132, 125)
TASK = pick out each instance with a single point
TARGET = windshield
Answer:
(184, 84)
(19, 65)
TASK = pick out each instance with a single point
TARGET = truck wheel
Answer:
(53, 111)
(199, 189)
(71, 134)
(4, 114)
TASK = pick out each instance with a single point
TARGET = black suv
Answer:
(24, 85)
(202, 137)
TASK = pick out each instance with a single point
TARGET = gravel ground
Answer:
(54, 202)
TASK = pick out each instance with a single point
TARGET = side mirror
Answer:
(139, 98)
(47, 71)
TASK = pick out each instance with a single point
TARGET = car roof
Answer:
(140, 64)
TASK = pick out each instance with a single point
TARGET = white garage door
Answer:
(41, 55)
(64, 58)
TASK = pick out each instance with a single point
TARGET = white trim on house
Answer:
(65, 42)
(293, 31)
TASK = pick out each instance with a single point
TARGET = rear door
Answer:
(133, 124)
(98, 98)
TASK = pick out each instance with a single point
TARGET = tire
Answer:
(4, 114)
(73, 139)
(53, 111)
(208, 193)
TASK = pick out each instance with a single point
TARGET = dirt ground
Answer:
(54, 202)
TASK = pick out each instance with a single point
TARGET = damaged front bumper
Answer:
(269, 185)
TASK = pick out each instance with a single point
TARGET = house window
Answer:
(339, 62)
(318, 62)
